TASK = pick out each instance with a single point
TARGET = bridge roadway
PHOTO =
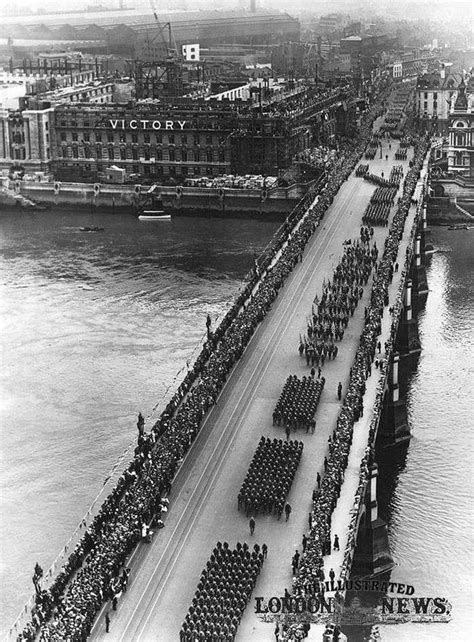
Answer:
(203, 502)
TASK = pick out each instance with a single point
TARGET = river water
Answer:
(95, 327)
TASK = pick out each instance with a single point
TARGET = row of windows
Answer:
(123, 137)
(134, 154)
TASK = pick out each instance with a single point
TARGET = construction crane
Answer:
(159, 71)
(170, 46)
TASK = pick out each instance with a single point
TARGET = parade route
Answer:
(203, 501)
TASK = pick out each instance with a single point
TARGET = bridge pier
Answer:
(408, 341)
(394, 428)
(426, 245)
(418, 274)
(372, 555)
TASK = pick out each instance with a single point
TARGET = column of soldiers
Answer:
(298, 403)
(269, 477)
(339, 300)
(223, 592)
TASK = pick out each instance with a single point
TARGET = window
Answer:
(159, 138)
(146, 137)
(208, 140)
(171, 139)
(98, 151)
(75, 153)
(209, 156)
(64, 152)
(111, 153)
(196, 139)
(122, 137)
(98, 138)
(122, 154)
(426, 95)
(134, 138)
(63, 136)
(159, 155)
(172, 154)
(135, 153)
(74, 136)
(184, 155)
(184, 139)
(86, 136)
(87, 151)
(147, 154)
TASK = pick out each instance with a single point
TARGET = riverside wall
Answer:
(180, 201)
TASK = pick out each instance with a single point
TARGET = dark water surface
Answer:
(430, 512)
(95, 327)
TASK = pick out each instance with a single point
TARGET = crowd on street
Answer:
(269, 477)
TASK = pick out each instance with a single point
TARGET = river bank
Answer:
(177, 200)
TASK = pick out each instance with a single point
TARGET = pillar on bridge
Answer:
(372, 554)
(426, 245)
(408, 340)
(418, 274)
(394, 428)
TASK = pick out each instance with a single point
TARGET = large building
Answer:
(26, 138)
(461, 131)
(171, 141)
(434, 95)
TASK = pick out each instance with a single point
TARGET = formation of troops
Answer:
(223, 592)
(270, 476)
(339, 299)
(298, 403)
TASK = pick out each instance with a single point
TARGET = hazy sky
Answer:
(436, 9)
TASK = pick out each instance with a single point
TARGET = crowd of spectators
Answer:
(67, 610)
(269, 477)
(223, 592)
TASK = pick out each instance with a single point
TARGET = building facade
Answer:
(27, 139)
(461, 131)
(434, 95)
(168, 142)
